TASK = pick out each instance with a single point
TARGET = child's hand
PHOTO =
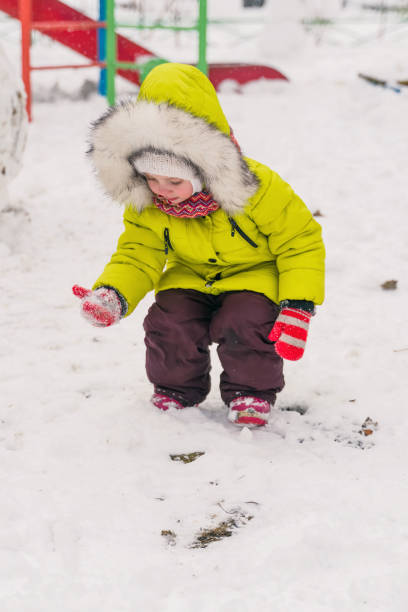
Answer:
(290, 333)
(101, 307)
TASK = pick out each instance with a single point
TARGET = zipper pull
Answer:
(167, 243)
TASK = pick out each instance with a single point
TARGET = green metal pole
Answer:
(110, 51)
(202, 37)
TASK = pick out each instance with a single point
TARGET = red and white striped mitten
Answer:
(101, 307)
(290, 332)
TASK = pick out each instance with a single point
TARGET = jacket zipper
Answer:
(167, 243)
(210, 282)
(235, 226)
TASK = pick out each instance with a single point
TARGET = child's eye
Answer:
(176, 182)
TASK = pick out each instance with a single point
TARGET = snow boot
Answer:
(249, 411)
(164, 402)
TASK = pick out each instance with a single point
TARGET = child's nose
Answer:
(165, 191)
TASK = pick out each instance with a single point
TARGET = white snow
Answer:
(13, 125)
(87, 483)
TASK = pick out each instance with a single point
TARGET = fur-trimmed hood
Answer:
(165, 119)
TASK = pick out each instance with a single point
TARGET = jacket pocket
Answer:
(235, 227)
(167, 243)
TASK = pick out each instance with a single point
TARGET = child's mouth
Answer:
(171, 200)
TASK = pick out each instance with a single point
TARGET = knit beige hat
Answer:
(163, 164)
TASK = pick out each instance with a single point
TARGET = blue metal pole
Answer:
(102, 88)
(202, 37)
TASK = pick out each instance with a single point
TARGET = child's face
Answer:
(171, 188)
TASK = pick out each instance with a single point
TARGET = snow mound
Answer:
(13, 125)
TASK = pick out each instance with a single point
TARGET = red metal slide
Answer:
(85, 42)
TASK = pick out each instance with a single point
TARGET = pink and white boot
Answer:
(249, 411)
(164, 402)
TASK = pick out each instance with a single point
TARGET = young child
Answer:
(233, 254)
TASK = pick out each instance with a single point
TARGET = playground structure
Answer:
(98, 41)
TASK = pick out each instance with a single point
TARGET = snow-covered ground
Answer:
(94, 514)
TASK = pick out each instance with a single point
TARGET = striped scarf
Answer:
(197, 205)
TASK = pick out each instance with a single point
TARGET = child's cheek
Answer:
(152, 187)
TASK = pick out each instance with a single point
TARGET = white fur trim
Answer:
(133, 127)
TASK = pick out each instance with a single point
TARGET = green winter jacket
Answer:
(263, 238)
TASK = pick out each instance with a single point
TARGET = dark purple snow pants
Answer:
(181, 325)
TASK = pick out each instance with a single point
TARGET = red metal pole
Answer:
(25, 18)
